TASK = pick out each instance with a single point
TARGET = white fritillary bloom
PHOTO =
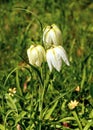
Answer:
(54, 57)
(52, 35)
(36, 55)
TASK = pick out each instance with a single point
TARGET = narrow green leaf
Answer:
(20, 116)
(17, 83)
(91, 114)
(2, 127)
(9, 75)
(50, 111)
(66, 119)
(10, 102)
(88, 125)
(91, 90)
(7, 115)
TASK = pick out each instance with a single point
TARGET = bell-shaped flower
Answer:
(36, 55)
(54, 57)
(52, 35)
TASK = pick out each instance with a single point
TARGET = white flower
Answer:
(52, 35)
(36, 55)
(54, 57)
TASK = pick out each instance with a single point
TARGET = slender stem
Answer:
(66, 119)
(88, 125)
(42, 89)
(28, 11)
(83, 77)
(10, 75)
(77, 119)
(17, 83)
(40, 105)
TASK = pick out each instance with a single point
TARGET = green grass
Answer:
(41, 98)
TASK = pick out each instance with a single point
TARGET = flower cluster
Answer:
(54, 53)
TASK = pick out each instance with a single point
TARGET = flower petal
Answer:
(48, 58)
(58, 35)
(53, 59)
(60, 50)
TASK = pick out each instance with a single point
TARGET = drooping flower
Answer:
(54, 57)
(72, 104)
(52, 35)
(36, 55)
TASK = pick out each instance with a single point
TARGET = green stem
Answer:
(8, 113)
(10, 75)
(88, 125)
(40, 105)
(77, 119)
(17, 83)
(40, 98)
(71, 49)
(66, 119)
(28, 11)
(17, 79)
(42, 89)
(83, 77)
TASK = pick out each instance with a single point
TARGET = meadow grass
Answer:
(33, 98)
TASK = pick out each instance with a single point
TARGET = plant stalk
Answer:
(77, 119)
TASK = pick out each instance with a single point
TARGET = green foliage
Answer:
(41, 98)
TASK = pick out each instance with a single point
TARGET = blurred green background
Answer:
(21, 24)
(19, 28)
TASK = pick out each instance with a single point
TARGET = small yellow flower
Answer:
(12, 91)
(72, 104)
(77, 89)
